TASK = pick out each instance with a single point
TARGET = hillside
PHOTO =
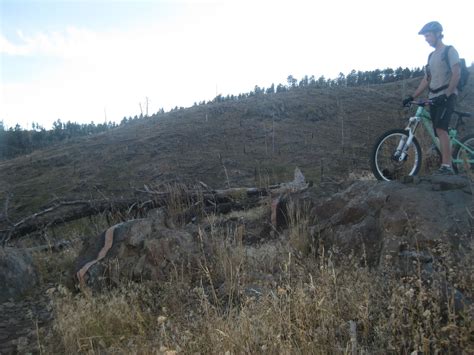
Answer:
(346, 264)
(250, 142)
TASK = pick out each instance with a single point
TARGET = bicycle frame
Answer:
(455, 141)
(422, 115)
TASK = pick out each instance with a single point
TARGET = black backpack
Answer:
(464, 71)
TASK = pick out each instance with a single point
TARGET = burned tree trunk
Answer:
(211, 201)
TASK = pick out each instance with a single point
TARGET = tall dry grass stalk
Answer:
(299, 221)
(182, 201)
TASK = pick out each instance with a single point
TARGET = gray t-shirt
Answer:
(438, 72)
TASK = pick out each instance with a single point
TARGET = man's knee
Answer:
(441, 131)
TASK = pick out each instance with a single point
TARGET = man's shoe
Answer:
(444, 170)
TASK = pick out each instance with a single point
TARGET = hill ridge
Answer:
(259, 140)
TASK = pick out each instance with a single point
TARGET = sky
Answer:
(95, 60)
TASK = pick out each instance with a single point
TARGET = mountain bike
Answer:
(397, 152)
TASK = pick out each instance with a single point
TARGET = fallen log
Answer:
(217, 201)
(67, 211)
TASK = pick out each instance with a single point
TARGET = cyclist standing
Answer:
(441, 78)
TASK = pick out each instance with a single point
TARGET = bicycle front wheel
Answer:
(464, 156)
(385, 162)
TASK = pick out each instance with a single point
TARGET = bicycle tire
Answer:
(459, 153)
(384, 167)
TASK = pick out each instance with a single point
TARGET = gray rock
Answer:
(419, 228)
(17, 273)
(375, 219)
(142, 249)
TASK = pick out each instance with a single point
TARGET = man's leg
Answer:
(445, 146)
(441, 115)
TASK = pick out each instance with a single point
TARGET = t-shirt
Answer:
(438, 69)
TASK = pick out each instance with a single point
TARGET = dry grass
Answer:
(306, 308)
(299, 223)
(179, 201)
(117, 320)
(272, 298)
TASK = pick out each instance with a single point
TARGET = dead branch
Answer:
(56, 247)
(4, 216)
(63, 212)
(217, 201)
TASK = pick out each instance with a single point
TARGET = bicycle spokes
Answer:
(463, 156)
(393, 157)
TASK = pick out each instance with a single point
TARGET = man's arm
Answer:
(425, 82)
(422, 87)
(455, 76)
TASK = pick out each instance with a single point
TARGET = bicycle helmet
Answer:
(433, 26)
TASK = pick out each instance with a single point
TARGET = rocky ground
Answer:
(24, 322)
(398, 227)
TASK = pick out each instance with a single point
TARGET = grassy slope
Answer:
(258, 140)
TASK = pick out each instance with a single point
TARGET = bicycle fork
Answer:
(401, 153)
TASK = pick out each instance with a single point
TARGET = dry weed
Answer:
(116, 320)
(299, 221)
(271, 298)
(182, 201)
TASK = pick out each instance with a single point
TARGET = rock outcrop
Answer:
(141, 249)
(418, 228)
(18, 275)
(382, 221)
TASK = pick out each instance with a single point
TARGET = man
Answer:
(441, 78)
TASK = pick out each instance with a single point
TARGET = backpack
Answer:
(464, 71)
(464, 74)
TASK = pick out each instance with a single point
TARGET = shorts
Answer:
(441, 113)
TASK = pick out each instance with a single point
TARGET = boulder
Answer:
(417, 229)
(397, 221)
(18, 275)
(141, 249)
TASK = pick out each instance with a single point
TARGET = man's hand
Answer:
(406, 102)
(439, 100)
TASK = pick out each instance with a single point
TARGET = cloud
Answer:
(211, 48)
(113, 70)
(8, 48)
(71, 43)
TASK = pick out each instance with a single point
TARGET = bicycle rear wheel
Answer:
(384, 162)
(464, 156)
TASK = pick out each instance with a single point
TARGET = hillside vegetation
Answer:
(327, 132)
(21, 140)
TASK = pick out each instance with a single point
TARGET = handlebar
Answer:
(427, 102)
(421, 102)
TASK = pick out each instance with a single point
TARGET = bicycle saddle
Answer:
(463, 114)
